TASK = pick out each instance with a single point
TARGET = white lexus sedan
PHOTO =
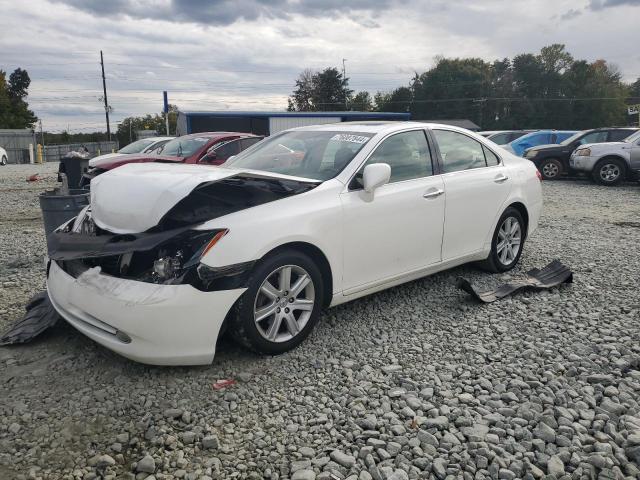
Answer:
(166, 257)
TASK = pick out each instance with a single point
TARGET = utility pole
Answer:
(344, 80)
(106, 102)
(166, 109)
(42, 141)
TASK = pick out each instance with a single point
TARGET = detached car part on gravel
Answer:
(40, 316)
(552, 275)
(312, 217)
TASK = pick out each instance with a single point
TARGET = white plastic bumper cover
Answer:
(148, 323)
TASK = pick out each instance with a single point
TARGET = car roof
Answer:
(218, 134)
(373, 126)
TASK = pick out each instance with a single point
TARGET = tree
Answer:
(454, 88)
(361, 101)
(127, 128)
(397, 101)
(323, 91)
(14, 110)
(300, 100)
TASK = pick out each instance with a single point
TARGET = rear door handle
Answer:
(501, 178)
(436, 192)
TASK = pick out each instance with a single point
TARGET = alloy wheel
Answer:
(284, 303)
(550, 170)
(509, 240)
(609, 172)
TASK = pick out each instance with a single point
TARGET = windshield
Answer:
(137, 146)
(319, 155)
(183, 147)
(571, 139)
(633, 138)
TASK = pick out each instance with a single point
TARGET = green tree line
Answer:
(14, 110)
(550, 89)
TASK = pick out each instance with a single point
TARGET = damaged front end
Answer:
(169, 257)
(170, 252)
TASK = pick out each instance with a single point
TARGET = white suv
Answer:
(609, 163)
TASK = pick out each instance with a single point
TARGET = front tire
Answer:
(609, 171)
(281, 305)
(507, 242)
(551, 169)
(3, 161)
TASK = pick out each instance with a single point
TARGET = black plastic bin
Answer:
(74, 166)
(59, 207)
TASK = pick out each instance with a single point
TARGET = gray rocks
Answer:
(555, 466)
(413, 382)
(303, 475)
(147, 464)
(440, 422)
(544, 432)
(210, 442)
(342, 459)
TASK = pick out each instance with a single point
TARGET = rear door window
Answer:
(458, 151)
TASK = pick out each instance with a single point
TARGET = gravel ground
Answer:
(413, 382)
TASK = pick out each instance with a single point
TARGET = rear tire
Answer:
(507, 242)
(551, 169)
(3, 161)
(281, 305)
(609, 171)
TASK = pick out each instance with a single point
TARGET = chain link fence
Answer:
(53, 153)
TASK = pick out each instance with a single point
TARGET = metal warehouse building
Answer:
(268, 123)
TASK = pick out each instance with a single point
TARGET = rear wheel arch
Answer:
(525, 215)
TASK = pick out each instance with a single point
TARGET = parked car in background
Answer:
(539, 137)
(308, 218)
(502, 137)
(144, 145)
(4, 158)
(553, 160)
(609, 163)
(208, 148)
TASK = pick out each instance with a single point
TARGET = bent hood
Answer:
(542, 148)
(135, 197)
(113, 160)
(613, 146)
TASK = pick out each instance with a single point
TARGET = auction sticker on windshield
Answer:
(344, 137)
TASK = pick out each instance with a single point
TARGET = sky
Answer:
(247, 54)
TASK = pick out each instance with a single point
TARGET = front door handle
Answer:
(436, 192)
(501, 178)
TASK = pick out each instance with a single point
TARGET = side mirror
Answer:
(375, 175)
(209, 157)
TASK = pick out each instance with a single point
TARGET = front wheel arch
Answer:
(609, 158)
(320, 260)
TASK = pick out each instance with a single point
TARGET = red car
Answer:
(207, 148)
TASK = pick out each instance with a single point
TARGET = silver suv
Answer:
(609, 163)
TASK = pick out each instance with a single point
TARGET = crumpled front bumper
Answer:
(583, 163)
(148, 323)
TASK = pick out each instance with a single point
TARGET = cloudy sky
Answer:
(246, 54)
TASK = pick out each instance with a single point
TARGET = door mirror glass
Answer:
(209, 157)
(375, 175)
